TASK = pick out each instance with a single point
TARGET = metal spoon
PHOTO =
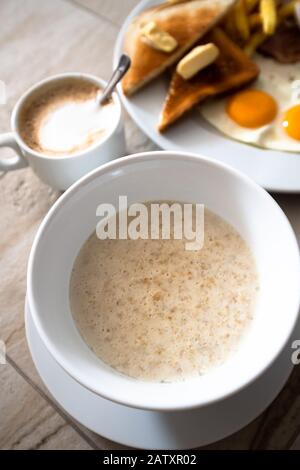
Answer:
(123, 66)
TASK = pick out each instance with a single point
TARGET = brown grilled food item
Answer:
(284, 45)
(231, 70)
(186, 22)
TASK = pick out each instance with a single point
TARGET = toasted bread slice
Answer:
(231, 70)
(187, 22)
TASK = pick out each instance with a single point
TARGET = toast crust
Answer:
(232, 70)
(186, 22)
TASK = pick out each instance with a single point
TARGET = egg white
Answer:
(276, 80)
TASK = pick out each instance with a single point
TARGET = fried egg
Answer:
(266, 113)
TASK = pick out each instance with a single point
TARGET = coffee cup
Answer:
(61, 171)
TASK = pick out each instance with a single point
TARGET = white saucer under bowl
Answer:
(158, 430)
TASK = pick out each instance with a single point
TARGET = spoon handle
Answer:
(123, 66)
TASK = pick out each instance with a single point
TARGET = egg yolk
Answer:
(291, 122)
(252, 108)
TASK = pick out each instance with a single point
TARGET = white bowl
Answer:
(166, 176)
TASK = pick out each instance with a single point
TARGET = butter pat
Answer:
(196, 60)
(157, 38)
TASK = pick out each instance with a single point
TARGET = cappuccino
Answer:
(64, 117)
(155, 311)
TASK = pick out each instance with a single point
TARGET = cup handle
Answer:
(16, 162)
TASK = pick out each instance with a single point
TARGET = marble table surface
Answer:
(38, 39)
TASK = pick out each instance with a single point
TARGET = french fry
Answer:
(229, 26)
(288, 9)
(269, 16)
(251, 5)
(254, 20)
(254, 42)
(241, 20)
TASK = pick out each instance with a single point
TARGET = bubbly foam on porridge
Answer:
(154, 311)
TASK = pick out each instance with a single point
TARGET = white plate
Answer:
(274, 170)
(155, 430)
